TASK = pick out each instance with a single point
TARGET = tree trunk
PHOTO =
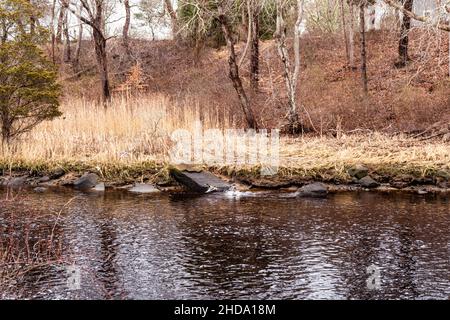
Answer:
(344, 30)
(126, 27)
(53, 30)
(254, 52)
(295, 124)
(32, 22)
(102, 62)
(351, 38)
(67, 49)
(173, 18)
(96, 22)
(405, 28)
(363, 48)
(76, 59)
(6, 129)
(59, 29)
(234, 72)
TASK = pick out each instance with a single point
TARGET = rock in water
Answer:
(16, 182)
(202, 182)
(144, 188)
(40, 190)
(100, 187)
(87, 181)
(368, 182)
(359, 171)
(314, 190)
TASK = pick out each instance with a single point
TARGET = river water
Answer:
(262, 245)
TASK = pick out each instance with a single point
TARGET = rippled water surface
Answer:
(262, 245)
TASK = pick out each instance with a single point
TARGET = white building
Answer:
(376, 14)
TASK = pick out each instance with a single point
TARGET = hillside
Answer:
(400, 100)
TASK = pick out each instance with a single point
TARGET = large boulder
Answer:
(202, 182)
(16, 182)
(358, 171)
(443, 175)
(368, 182)
(314, 190)
(87, 181)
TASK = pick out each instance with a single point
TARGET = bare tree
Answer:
(344, 30)
(403, 45)
(291, 74)
(362, 32)
(76, 58)
(447, 8)
(93, 15)
(351, 38)
(254, 51)
(52, 17)
(445, 26)
(67, 49)
(233, 66)
(126, 27)
(173, 17)
(59, 28)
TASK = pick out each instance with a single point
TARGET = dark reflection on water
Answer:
(248, 246)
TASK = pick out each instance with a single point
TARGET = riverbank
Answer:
(393, 162)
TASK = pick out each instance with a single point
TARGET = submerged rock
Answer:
(87, 181)
(315, 190)
(368, 182)
(144, 188)
(202, 182)
(40, 190)
(359, 171)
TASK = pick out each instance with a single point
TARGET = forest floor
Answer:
(170, 89)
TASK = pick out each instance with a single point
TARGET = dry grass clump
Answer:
(29, 241)
(391, 155)
(128, 131)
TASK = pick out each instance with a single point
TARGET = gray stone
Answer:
(443, 174)
(144, 188)
(58, 173)
(16, 182)
(368, 182)
(422, 191)
(44, 179)
(446, 137)
(359, 171)
(202, 182)
(315, 190)
(100, 187)
(87, 181)
(399, 184)
(40, 190)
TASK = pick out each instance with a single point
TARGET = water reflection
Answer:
(251, 246)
